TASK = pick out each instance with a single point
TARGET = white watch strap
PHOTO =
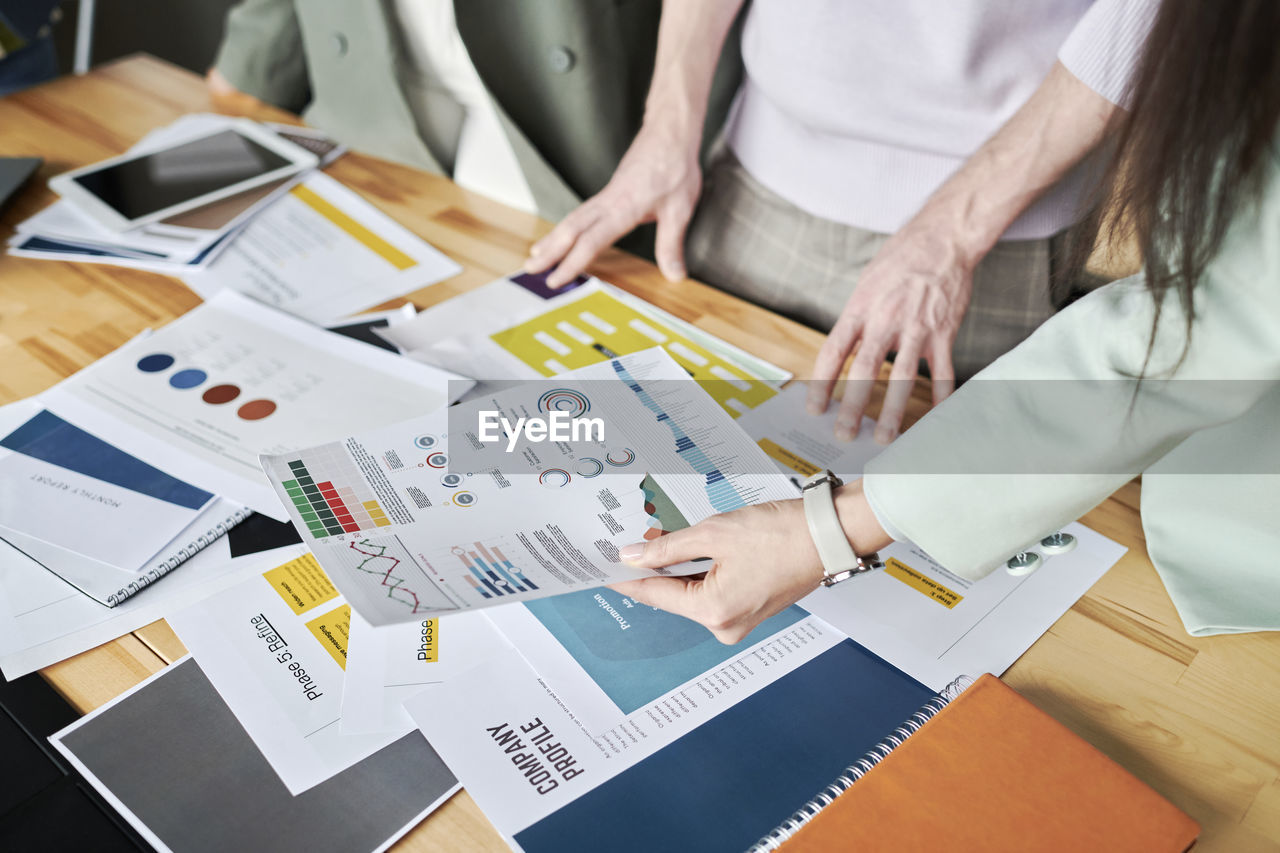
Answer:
(839, 560)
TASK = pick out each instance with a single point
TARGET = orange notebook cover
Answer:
(991, 772)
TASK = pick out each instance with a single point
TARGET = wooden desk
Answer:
(1198, 719)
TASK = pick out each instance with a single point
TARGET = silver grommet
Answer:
(1023, 564)
(1057, 543)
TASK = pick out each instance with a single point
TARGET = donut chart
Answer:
(554, 478)
(568, 400)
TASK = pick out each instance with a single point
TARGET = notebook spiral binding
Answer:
(859, 768)
(186, 552)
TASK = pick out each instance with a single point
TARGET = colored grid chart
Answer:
(329, 507)
(720, 491)
(491, 573)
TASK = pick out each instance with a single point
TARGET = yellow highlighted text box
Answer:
(331, 630)
(429, 641)
(301, 583)
(795, 462)
(948, 598)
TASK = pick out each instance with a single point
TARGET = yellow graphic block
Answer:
(794, 461)
(332, 630)
(600, 326)
(948, 598)
(429, 642)
(302, 583)
(372, 241)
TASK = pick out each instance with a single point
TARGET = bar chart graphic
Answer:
(331, 496)
(720, 491)
(489, 571)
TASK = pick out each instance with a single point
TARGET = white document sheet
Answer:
(520, 749)
(405, 535)
(44, 620)
(205, 395)
(801, 444)
(275, 647)
(516, 328)
(322, 252)
(915, 614)
(388, 665)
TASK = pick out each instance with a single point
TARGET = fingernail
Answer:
(631, 553)
(535, 250)
(846, 431)
(885, 434)
(814, 406)
(674, 274)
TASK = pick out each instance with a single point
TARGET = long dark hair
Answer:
(1191, 151)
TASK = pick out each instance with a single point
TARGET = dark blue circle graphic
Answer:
(189, 378)
(155, 362)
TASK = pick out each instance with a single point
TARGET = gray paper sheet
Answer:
(176, 757)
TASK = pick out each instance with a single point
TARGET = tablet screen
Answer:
(160, 180)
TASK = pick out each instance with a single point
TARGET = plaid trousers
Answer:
(747, 240)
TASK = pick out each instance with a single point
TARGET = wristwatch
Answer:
(839, 561)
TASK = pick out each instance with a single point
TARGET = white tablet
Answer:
(132, 190)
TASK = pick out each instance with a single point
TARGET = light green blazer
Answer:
(568, 79)
(1012, 455)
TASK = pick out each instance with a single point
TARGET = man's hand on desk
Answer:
(658, 180)
(909, 299)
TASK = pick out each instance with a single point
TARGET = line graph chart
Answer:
(382, 568)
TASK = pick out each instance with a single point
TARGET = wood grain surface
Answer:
(1198, 719)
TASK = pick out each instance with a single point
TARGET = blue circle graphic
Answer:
(189, 378)
(155, 362)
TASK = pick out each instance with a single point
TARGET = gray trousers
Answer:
(748, 241)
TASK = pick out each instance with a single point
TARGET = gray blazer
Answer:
(1053, 427)
(568, 79)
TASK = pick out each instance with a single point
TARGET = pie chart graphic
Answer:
(620, 458)
(554, 478)
(571, 402)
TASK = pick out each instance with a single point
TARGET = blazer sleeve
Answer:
(262, 53)
(1053, 427)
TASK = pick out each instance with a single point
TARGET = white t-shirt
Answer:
(858, 110)
(453, 110)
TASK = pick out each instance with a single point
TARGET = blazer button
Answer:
(561, 59)
(339, 42)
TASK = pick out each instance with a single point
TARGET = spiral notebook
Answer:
(987, 771)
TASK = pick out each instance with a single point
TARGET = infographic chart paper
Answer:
(394, 514)
(232, 379)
